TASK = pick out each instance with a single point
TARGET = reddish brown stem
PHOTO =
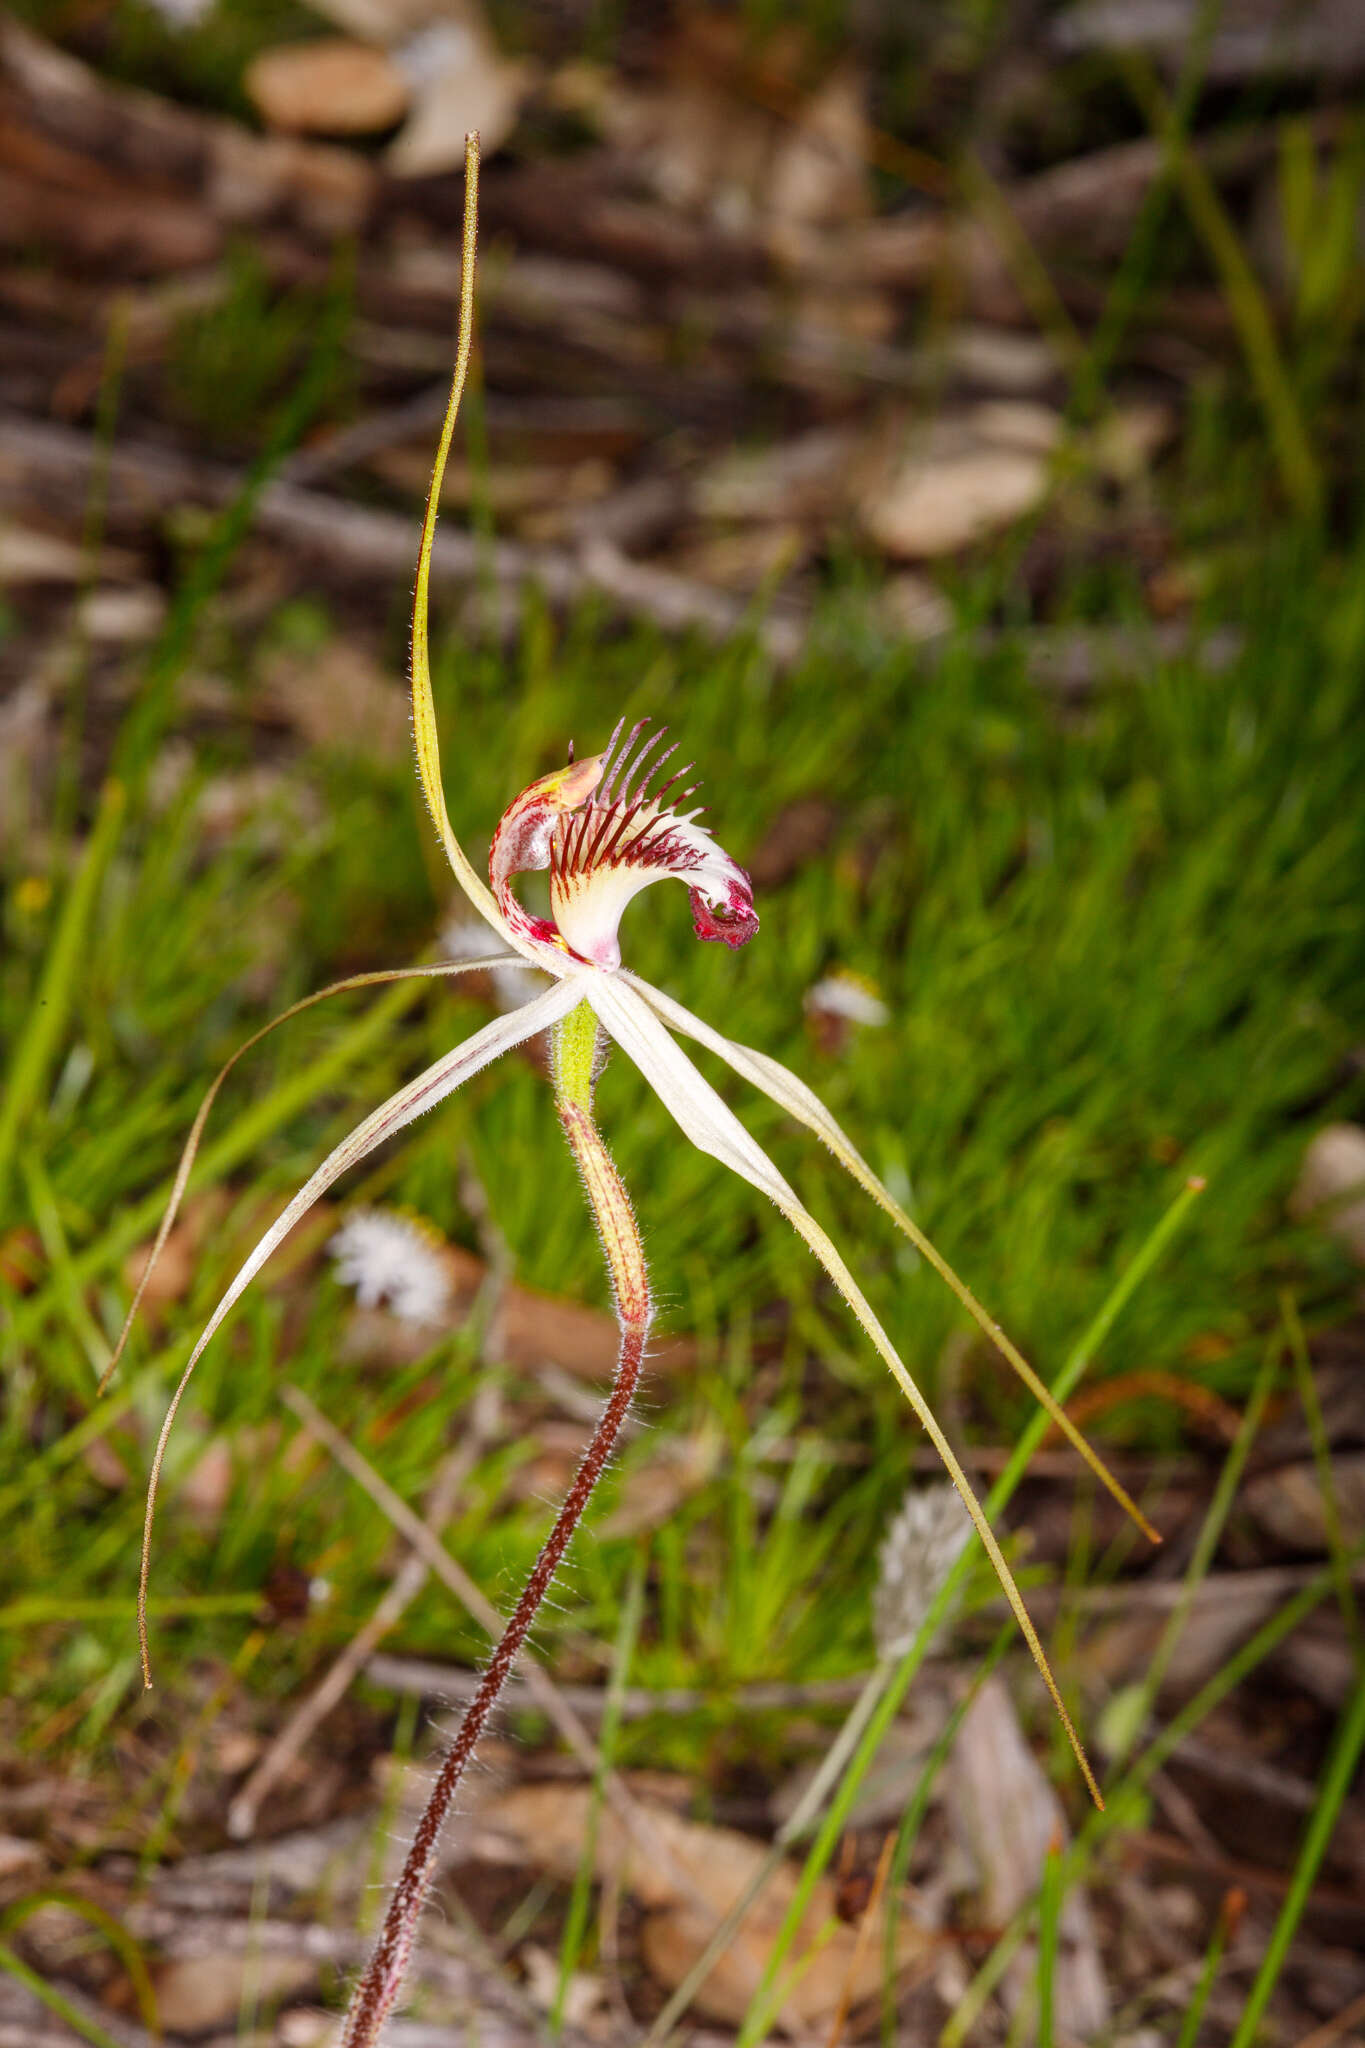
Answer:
(379, 1987)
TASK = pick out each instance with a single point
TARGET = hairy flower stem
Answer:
(575, 1049)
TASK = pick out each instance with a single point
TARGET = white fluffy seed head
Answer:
(393, 1260)
(847, 996)
(918, 1552)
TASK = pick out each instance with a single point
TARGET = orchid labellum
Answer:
(604, 828)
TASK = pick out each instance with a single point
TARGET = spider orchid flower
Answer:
(604, 828)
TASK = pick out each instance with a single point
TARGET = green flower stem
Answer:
(574, 1058)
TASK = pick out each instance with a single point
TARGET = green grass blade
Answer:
(1120, 1810)
(1051, 1899)
(1336, 1783)
(576, 1920)
(104, 1923)
(88, 2029)
(1229, 1913)
(244, 1137)
(46, 1022)
(1322, 1459)
(762, 2004)
(1247, 303)
(1144, 1695)
(912, 1820)
(150, 715)
(39, 1610)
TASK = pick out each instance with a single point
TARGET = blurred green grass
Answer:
(1118, 947)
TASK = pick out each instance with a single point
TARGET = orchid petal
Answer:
(187, 1156)
(411, 1101)
(600, 827)
(713, 1127)
(786, 1089)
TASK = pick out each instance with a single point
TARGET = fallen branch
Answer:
(356, 543)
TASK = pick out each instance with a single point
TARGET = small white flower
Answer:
(181, 14)
(920, 1549)
(391, 1259)
(846, 996)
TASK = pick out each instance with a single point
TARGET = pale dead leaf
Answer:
(339, 698)
(459, 80)
(961, 478)
(170, 1278)
(838, 1005)
(804, 478)
(529, 1329)
(328, 87)
(30, 556)
(890, 1781)
(584, 1994)
(203, 1493)
(686, 1890)
(122, 617)
(913, 607)
(704, 144)
(1128, 441)
(103, 1462)
(1009, 1814)
(1016, 423)
(19, 1858)
(235, 1750)
(1225, 1612)
(383, 21)
(1332, 1179)
(267, 801)
(252, 176)
(819, 169)
(745, 561)
(1001, 360)
(196, 1993)
(508, 489)
(1288, 1502)
(655, 1488)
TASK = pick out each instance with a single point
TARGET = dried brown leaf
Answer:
(328, 87)
(547, 1826)
(1288, 1502)
(197, 1993)
(960, 478)
(1009, 1816)
(1332, 1180)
